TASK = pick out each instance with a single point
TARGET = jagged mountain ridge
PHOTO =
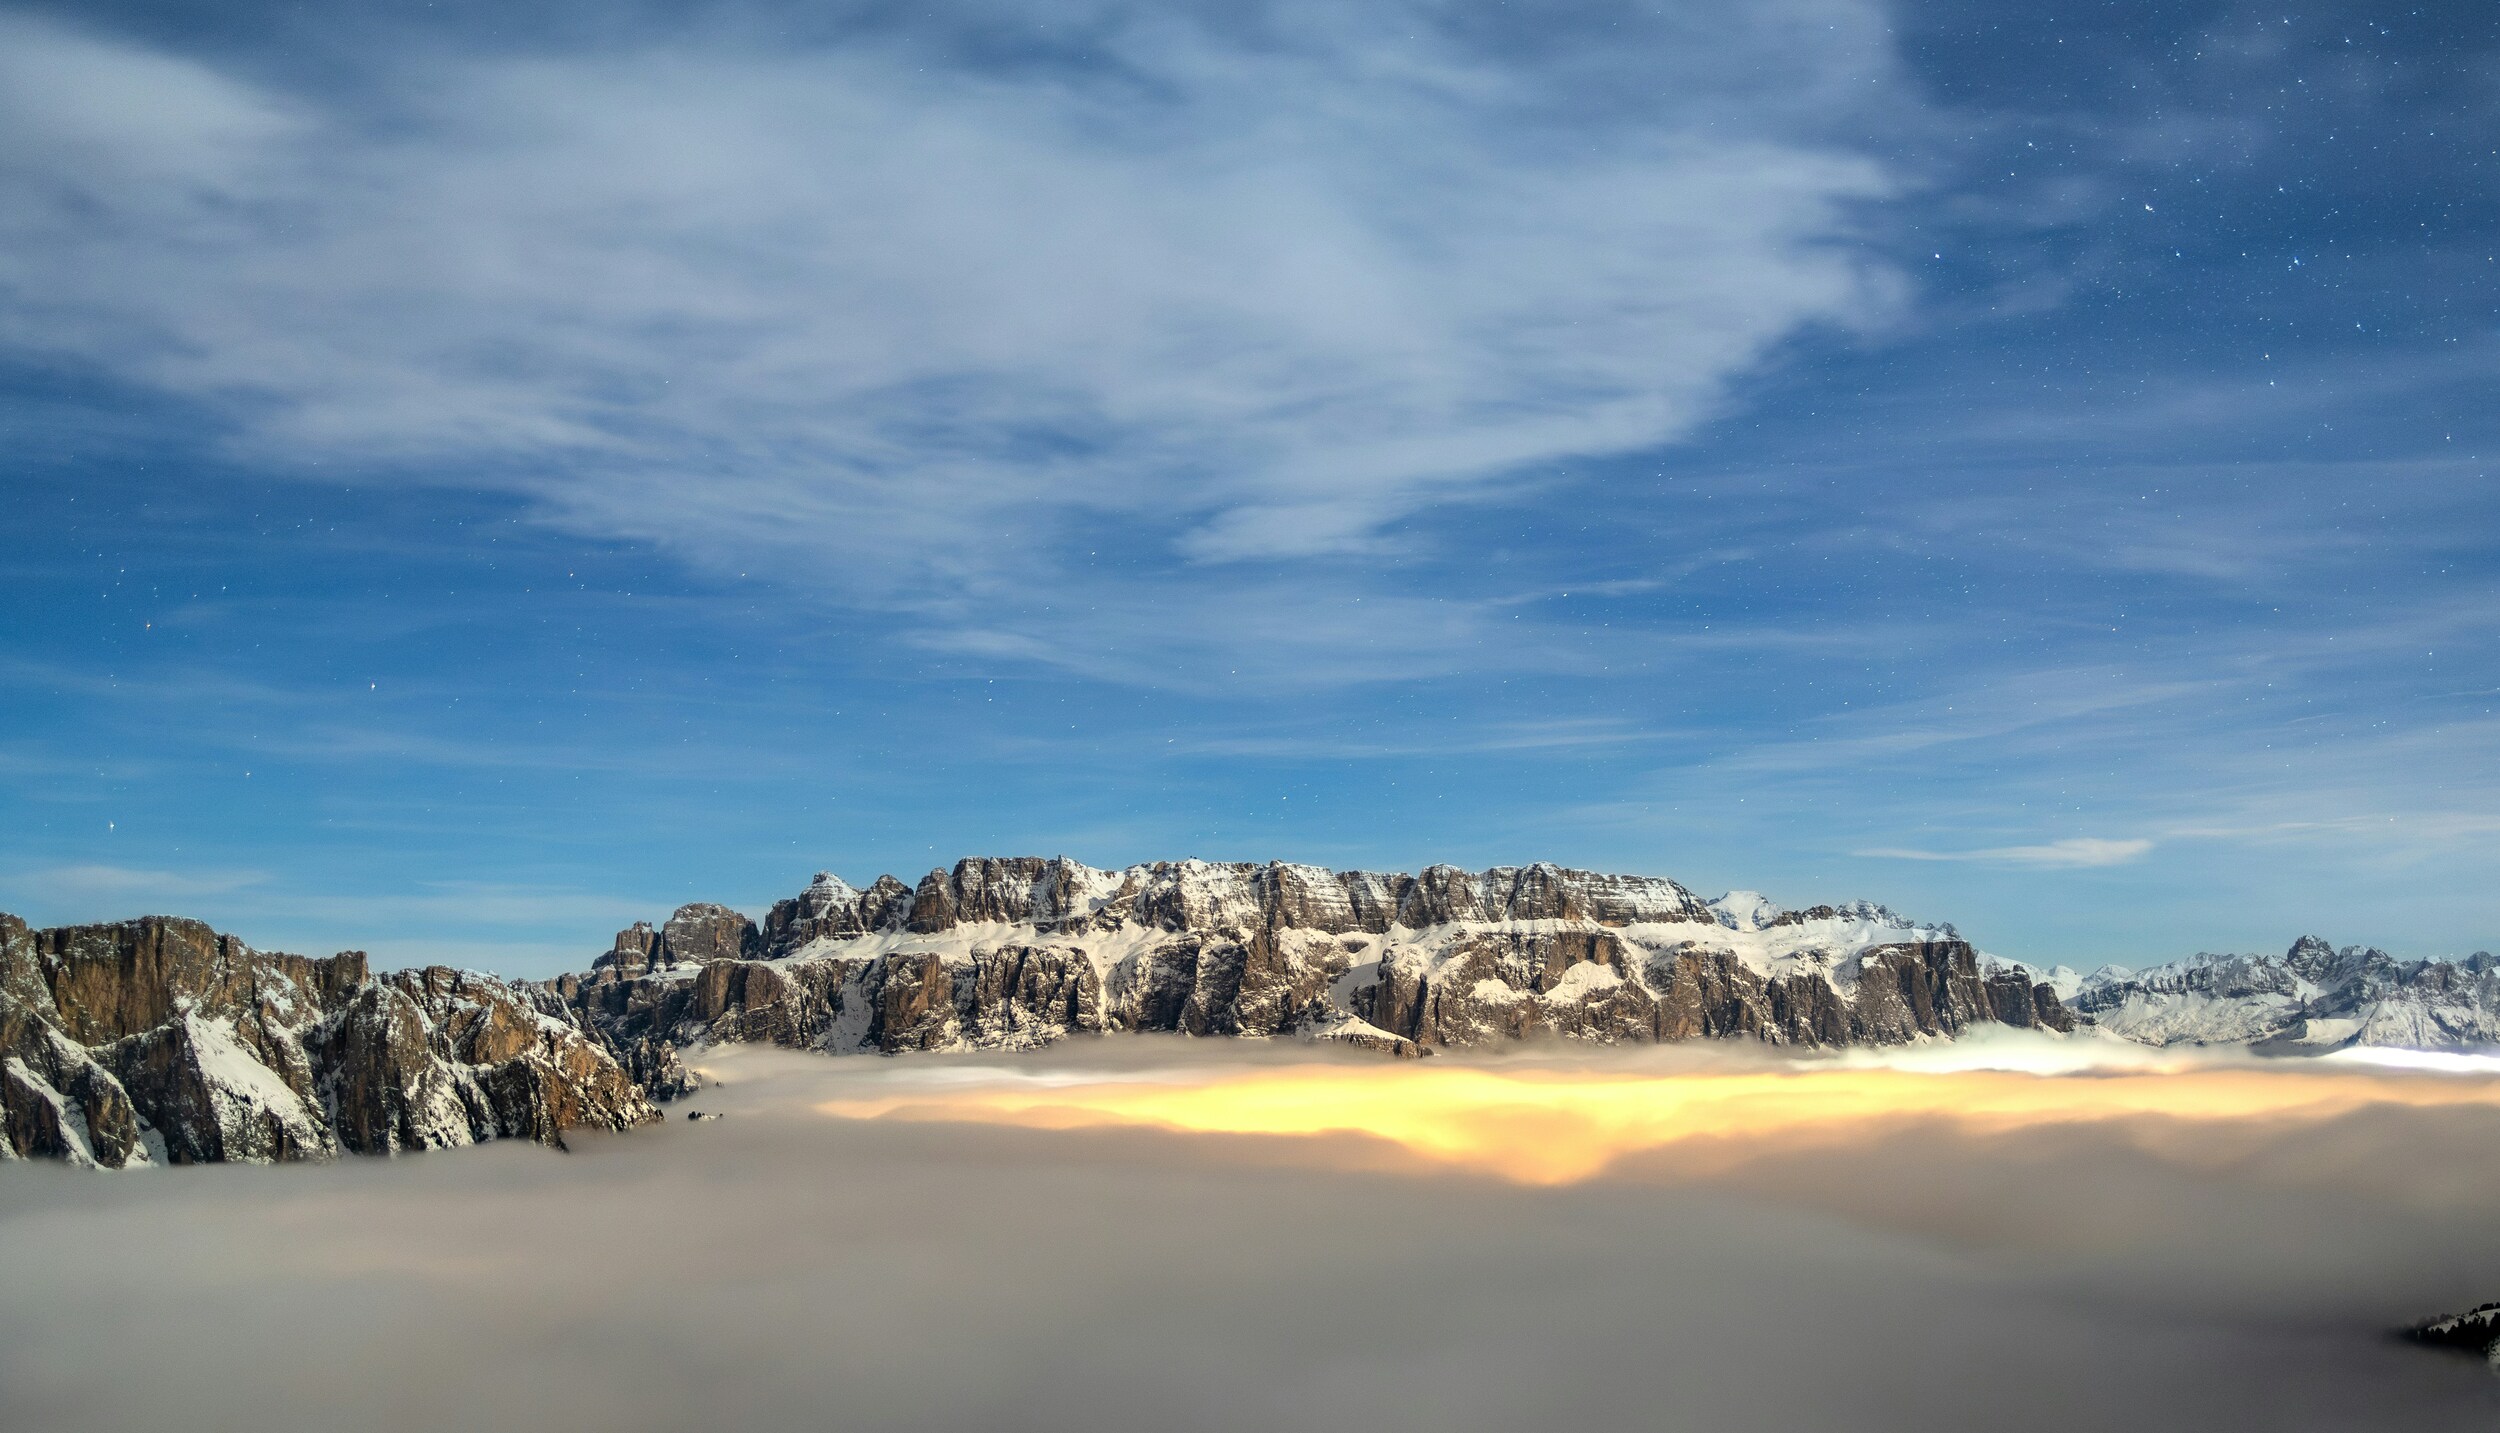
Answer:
(1020, 951)
(1060, 895)
(158, 1040)
(2312, 997)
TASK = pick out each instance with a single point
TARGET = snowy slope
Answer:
(2312, 997)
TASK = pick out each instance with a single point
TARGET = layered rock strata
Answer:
(160, 1041)
(1002, 953)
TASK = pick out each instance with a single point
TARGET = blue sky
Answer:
(477, 480)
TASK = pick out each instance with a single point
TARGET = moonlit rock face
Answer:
(701, 932)
(1015, 952)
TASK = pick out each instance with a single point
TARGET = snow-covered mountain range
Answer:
(2312, 997)
(160, 1040)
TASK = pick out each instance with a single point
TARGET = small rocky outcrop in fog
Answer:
(2476, 1332)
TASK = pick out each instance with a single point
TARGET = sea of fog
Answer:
(1158, 1234)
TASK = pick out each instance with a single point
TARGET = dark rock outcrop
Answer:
(2475, 1332)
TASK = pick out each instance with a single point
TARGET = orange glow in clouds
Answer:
(1557, 1127)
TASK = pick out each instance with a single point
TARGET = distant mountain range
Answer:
(159, 1040)
(2312, 997)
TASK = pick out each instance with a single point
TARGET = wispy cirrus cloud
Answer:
(2071, 853)
(1239, 288)
(98, 882)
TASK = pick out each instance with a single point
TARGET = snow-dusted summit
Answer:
(2312, 997)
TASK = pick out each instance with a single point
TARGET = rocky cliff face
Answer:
(161, 1041)
(1016, 952)
(2312, 997)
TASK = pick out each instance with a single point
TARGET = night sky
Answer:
(474, 479)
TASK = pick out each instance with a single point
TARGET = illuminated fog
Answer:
(2150, 1263)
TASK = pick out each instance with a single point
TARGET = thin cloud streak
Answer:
(92, 882)
(2072, 853)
